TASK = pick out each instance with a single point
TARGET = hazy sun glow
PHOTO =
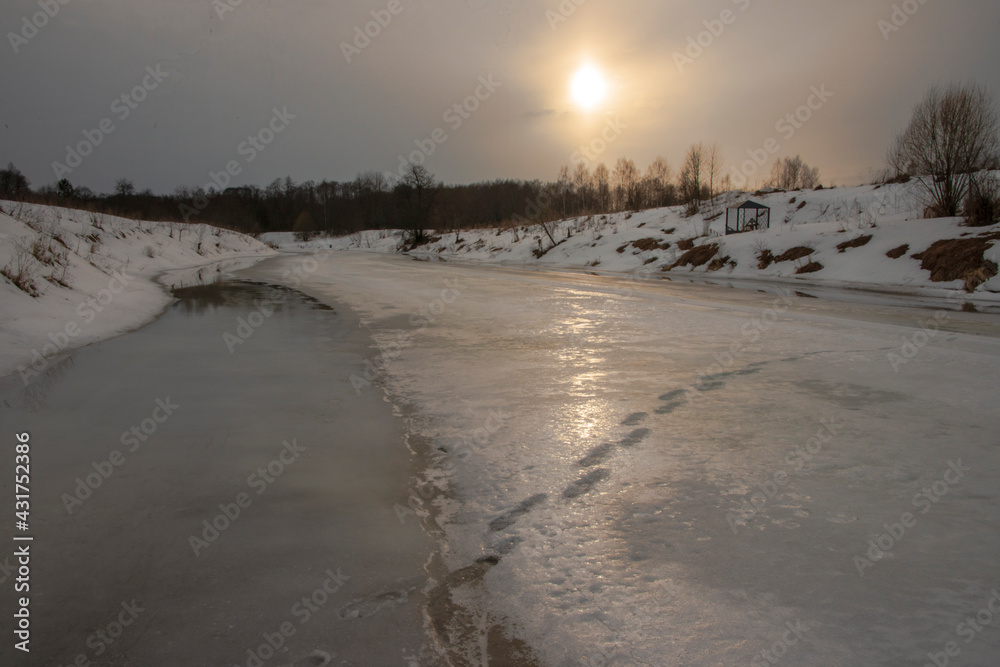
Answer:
(589, 87)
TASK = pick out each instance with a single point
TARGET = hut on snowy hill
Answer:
(747, 217)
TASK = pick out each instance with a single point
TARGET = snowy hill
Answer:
(72, 277)
(845, 237)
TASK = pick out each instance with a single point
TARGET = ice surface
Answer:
(679, 475)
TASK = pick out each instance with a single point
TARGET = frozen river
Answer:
(614, 472)
(645, 473)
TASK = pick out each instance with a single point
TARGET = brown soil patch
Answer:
(650, 244)
(959, 259)
(856, 243)
(686, 244)
(896, 253)
(811, 267)
(696, 256)
(792, 254)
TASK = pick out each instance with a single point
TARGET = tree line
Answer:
(950, 143)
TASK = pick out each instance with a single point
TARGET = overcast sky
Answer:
(227, 71)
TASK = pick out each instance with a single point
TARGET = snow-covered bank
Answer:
(73, 277)
(838, 237)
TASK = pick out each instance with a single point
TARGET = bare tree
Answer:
(602, 187)
(581, 183)
(659, 178)
(419, 189)
(791, 173)
(714, 162)
(13, 184)
(952, 135)
(626, 180)
(690, 177)
(565, 188)
(124, 187)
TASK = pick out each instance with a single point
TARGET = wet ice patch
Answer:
(586, 483)
(596, 455)
(508, 519)
(634, 419)
(315, 659)
(671, 395)
(370, 606)
(635, 437)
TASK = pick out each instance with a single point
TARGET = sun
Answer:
(589, 88)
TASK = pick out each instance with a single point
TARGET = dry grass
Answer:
(792, 254)
(696, 257)
(720, 262)
(959, 259)
(765, 258)
(896, 253)
(686, 244)
(21, 271)
(646, 245)
(811, 267)
(856, 243)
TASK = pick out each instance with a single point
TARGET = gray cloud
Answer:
(228, 73)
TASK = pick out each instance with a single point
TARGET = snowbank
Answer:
(648, 243)
(85, 276)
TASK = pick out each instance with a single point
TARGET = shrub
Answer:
(764, 259)
(20, 271)
(982, 205)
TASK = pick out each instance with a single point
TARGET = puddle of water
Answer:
(218, 470)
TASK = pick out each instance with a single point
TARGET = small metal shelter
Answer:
(747, 217)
